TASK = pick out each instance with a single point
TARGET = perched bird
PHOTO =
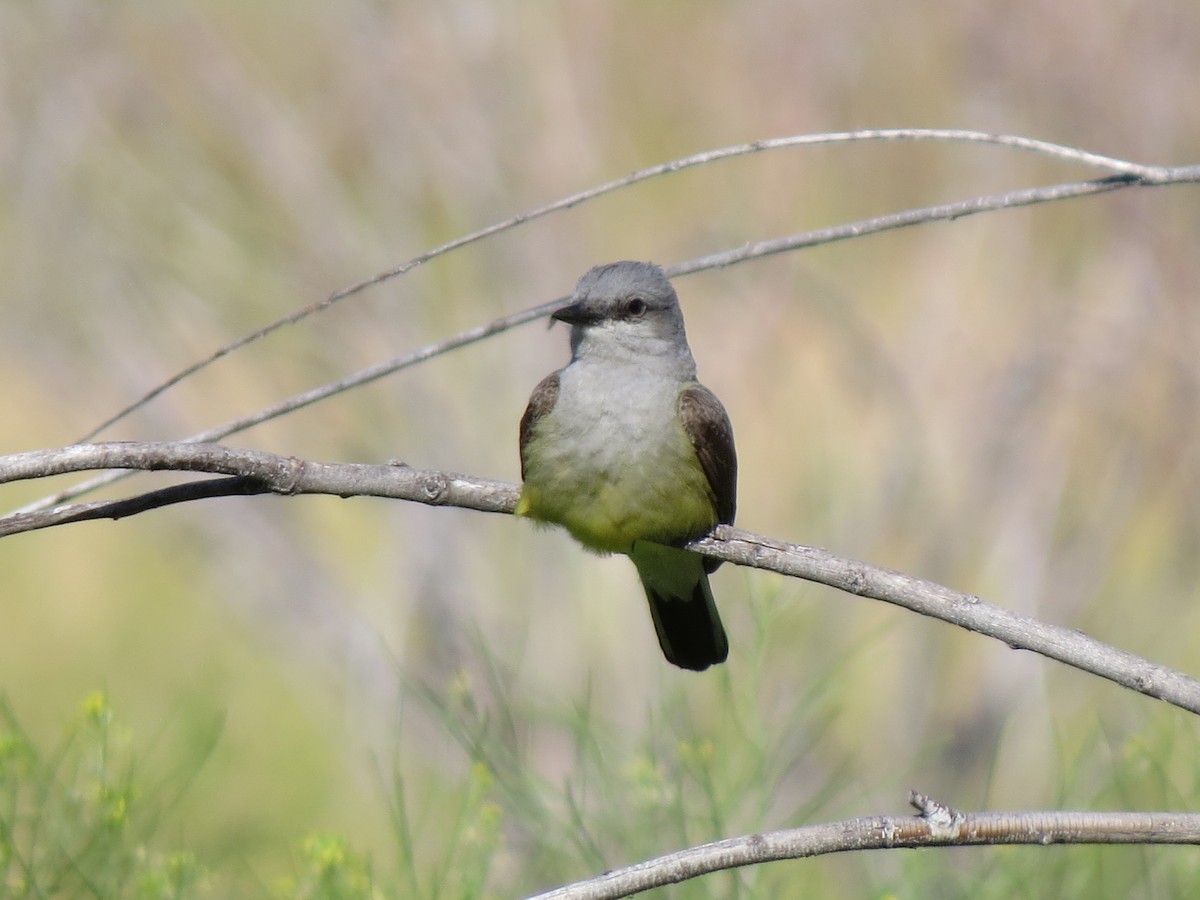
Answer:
(629, 453)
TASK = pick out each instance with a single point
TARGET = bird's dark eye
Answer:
(635, 308)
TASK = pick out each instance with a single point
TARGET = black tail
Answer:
(689, 628)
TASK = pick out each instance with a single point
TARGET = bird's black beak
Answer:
(574, 314)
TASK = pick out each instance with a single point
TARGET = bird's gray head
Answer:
(626, 310)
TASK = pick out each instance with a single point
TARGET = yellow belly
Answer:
(607, 510)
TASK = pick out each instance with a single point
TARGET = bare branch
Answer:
(205, 489)
(258, 472)
(909, 217)
(937, 825)
(1132, 175)
(252, 471)
(1070, 154)
(1019, 631)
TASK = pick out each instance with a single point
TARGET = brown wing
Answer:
(541, 401)
(707, 425)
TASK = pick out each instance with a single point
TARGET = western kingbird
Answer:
(629, 453)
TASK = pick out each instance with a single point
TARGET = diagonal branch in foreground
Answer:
(254, 472)
(936, 826)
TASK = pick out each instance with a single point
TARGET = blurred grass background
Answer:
(1006, 404)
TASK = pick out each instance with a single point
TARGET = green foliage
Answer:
(715, 758)
(76, 822)
(722, 756)
(328, 869)
(468, 835)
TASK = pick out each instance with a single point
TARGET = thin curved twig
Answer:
(942, 212)
(1059, 151)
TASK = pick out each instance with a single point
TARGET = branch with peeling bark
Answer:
(245, 472)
